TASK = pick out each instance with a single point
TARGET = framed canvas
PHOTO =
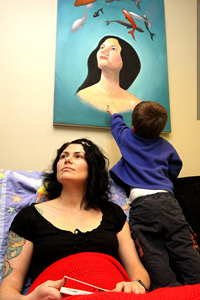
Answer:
(86, 27)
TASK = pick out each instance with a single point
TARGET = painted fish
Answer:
(146, 24)
(109, 1)
(128, 17)
(78, 24)
(96, 14)
(137, 3)
(137, 17)
(125, 23)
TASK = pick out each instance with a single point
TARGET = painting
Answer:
(109, 51)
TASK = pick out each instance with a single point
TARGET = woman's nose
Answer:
(68, 159)
(105, 50)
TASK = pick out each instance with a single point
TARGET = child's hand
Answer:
(111, 108)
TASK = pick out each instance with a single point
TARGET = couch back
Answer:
(187, 192)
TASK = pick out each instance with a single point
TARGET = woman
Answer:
(112, 68)
(78, 210)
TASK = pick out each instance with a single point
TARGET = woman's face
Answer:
(109, 55)
(72, 165)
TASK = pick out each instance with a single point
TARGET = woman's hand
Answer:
(132, 264)
(130, 287)
(48, 290)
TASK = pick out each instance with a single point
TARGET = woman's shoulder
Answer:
(47, 208)
(43, 204)
(98, 98)
(128, 100)
(88, 91)
(125, 101)
(25, 213)
(114, 214)
(113, 210)
(24, 222)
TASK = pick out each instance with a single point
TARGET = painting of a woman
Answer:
(112, 68)
(101, 61)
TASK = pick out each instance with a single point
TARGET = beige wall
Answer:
(27, 66)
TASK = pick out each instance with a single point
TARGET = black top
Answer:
(52, 243)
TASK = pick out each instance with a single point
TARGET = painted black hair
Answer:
(129, 72)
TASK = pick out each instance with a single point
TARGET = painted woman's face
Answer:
(109, 55)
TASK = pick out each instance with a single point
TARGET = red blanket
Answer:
(104, 271)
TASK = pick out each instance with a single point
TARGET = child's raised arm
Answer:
(111, 108)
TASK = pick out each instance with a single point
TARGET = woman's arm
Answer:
(16, 264)
(131, 263)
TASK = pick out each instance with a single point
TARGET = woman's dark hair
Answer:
(129, 72)
(97, 189)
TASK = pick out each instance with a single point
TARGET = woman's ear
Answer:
(133, 128)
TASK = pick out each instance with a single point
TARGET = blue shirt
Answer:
(145, 163)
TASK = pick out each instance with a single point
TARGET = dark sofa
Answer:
(187, 192)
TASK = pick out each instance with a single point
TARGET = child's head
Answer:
(149, 119)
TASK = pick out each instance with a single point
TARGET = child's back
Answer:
(148, 161)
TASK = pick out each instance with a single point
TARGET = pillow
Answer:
(18, 189)
(118, 196)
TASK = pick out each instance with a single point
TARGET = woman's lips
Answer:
(104, 57)
(67, 169)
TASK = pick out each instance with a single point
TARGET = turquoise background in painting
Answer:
(73, 49)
